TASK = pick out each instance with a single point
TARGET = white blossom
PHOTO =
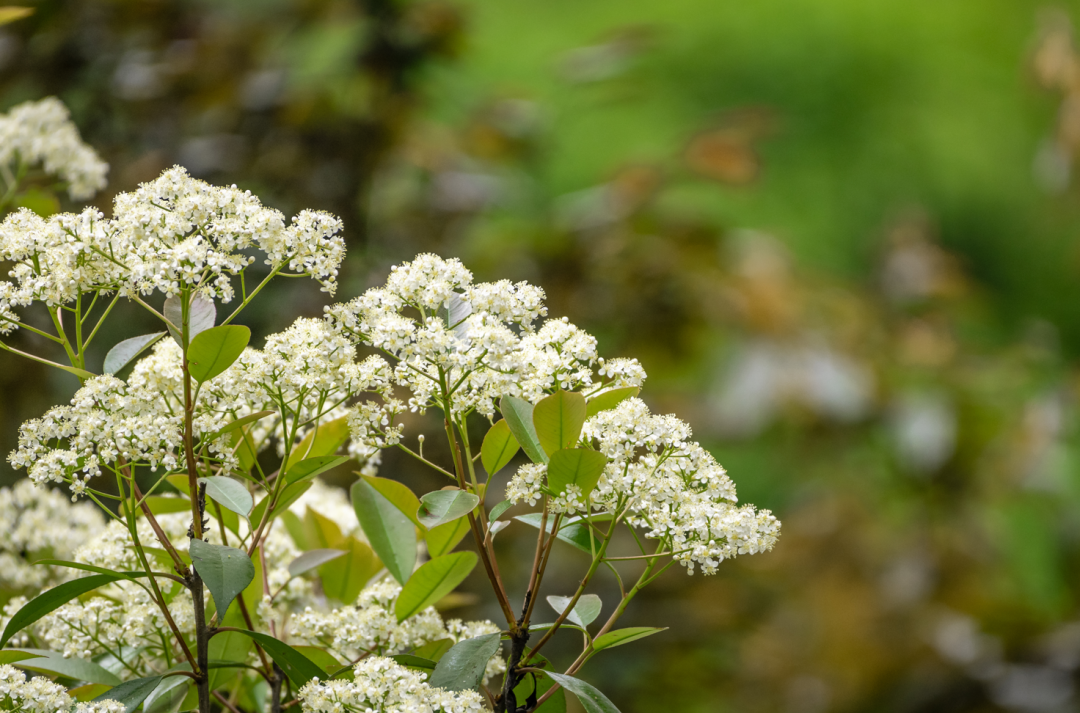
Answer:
(381, 685)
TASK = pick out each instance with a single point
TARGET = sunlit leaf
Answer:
(444, 506)
(214, 350)
(610, 399)
(558, 419)
(575, 466)
(624, 636)
(499, 447)
(433, 581)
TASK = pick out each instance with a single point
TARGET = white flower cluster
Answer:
(666, 484)
(173, 233)
(40, 695)
(381, 685)
(41, 132)
(30, 515)
(473, 343)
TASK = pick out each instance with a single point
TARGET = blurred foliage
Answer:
(839, 234)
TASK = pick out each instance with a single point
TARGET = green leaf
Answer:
(289, 495)
(11, 14)
(299, 668)
(168, 695)
(624, 636)
(225, 570)
(313, 559)
(71, 667)
(321, 531)
(443, 506)
(592, 700)
(444, 538)
(526, 693)
(433, 581)
(573, 533)
(122, 354)
(462, 667)
(13, 655)
(131, 576)
(201, 316)
(390, 532)
(214, 350)
(87, 692)
(585, 611)
(165, 504)
(558, 420)
(434, 650)
(51, 600)
(321, 441)
(413, 661)
(232, 426)
(131, 693)
(310, 467)
(576, 466)
(42, 202)
(398, 494)
(229, 494)
(499, 447)
(498, 510)
(610, 399)
(344, 579)
(319, 657)
(518, 415)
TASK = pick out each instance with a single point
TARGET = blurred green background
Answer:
(840, 235)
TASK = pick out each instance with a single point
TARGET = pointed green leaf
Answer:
(313, 559)
(624, 636)
(225, 570)
(574, 533)
(122, 354)
(498, 510)
(319, 657)
(214, 350)
(344, 579)
(201, 316)
(434, 650)
(52, 599)
(532, 687)
(592, 700)
(462, 667)
(289, 495)
(575, 466)
(442, 506)
(299, 668)
(72, 667)
(13, 655)
(310, 467)
(229, 494)
(87, 692)
(398, 494)
(518, 415)
(321, 441)
(168, 695)
(444, 538)
(165, 504)
(131, 693)
(558, 420)
(610, 399)
(232, 426)
(585, 611)
(228, 648)
(413, 661)
(433, 581)
(499, 447)
(391, 534)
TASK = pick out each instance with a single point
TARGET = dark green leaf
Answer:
(576, 466)
(499, 447)
(462, 667)
(415, 662)
(433, 581)
(610, 399)
(390, 532)
(518, 415)
(122, 354)
(201, 316)
(214, 350)
(131, 693)
(225, 570)
(229, 494)
(299, 668)
(585, 611)
(591, 699)
(442, 506)
(71, 667)
(624, 636)
(51, 600)
(310, 467)
(525, 690)
(558, 420)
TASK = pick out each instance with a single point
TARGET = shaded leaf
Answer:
(610, 399)
(573, 533)
(532, 687)
(518, 415)
(131, 693)
(310, 467)
(576, 466)
(413, 661)
(168, 695)
(499, 447)
(585, 611)
(344, 579)
(51, 600)
(11, 14)
(624, 636)
(462, 667)
(232, 426)
(390, 532)
(226, 571)
(71, 667)
(321, 441)
(498, 510)
(444, 538)
(592, 700)
(443, 506)
(433, 581)
(313, 559)
(299, 668)
(229, 493)
(214, 350)
(122, 354)
(201, 316)
(558, 420)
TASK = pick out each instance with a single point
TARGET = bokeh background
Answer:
(842, 236)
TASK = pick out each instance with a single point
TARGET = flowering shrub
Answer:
(204, 462)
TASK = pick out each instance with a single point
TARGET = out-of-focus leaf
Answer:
(610, 399)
